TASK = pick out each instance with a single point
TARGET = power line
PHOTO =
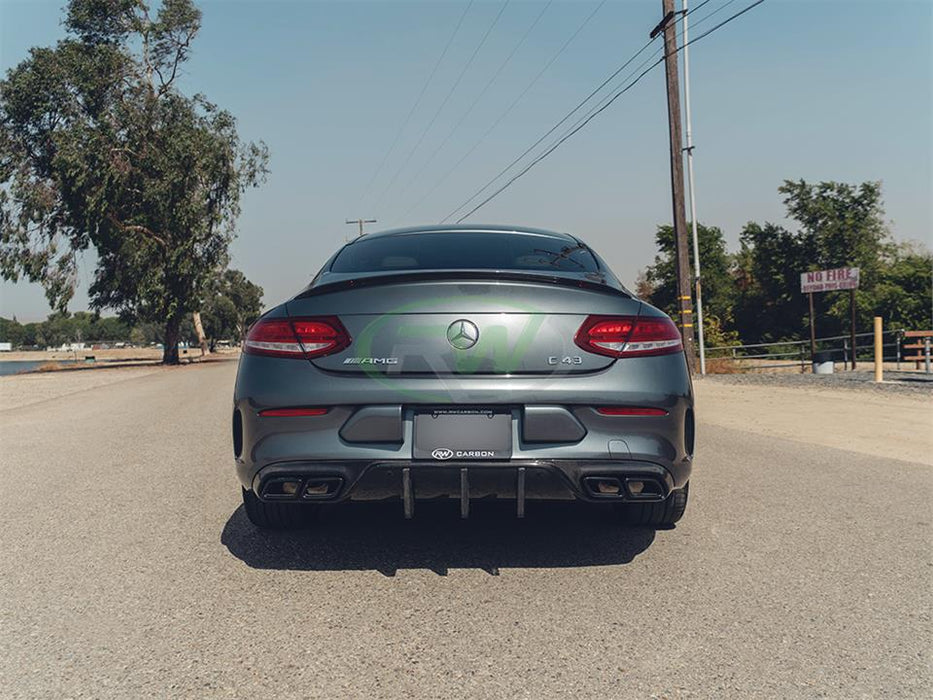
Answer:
(709, 14)
(476, 100)
(580, 125)
(659, 50)
(443, 104)
(599, 105)
(417, 102)
(593, 114)
(552, 129)
(584, 101)
(556, 145)
(699, 5)
(509, 109)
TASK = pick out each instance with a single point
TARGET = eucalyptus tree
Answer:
(101, 151)
(230, 306)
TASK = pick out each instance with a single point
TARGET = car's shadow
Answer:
(374, 536)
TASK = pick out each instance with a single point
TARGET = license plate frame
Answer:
(462, 435)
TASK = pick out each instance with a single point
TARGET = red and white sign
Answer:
(829, 280)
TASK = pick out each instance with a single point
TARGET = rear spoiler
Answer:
(599, 283)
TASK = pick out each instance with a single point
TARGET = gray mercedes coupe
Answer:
(463, 362)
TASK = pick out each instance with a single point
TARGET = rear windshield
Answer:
(464, 251)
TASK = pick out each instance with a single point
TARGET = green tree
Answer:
(138, 336)
(100, 150)
(149, 333)
(840, 225)
(845, 223)
(903, 296)
(769, 306)
(719, 285)
(233, 304)
(11, 331)
(33, 335)
(111, 328)
(57, 329)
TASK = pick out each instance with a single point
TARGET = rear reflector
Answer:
(302, 338)
(629, 336)
(630, 411)
(286, 412)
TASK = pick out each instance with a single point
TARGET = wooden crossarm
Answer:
(918, 334)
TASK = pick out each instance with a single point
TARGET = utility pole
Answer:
(361, 222)
(684, 300)
(697, 284)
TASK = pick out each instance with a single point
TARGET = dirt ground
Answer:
(34, 387)
(19, 390)
(883, 425)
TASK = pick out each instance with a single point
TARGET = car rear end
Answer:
(409, 371)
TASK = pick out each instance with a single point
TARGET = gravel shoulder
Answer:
(891, 422)
(900, 382)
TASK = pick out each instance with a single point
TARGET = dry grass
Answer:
(110, 354)
(724, 365)
(49, 367)
(731, 365)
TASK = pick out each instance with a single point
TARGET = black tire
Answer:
(661, 514)
(276, 516)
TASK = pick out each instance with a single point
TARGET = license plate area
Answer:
(459, 434)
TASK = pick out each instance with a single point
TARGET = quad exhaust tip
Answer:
(301, 488)
(624, 488)
(608, 487)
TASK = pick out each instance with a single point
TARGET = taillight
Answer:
(302, 338)
(629, 336)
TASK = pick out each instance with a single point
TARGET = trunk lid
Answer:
(464, 327)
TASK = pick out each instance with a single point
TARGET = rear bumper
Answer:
(365, 440)
(611, 446)
(408, 481)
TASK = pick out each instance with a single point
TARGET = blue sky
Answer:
(793, 89)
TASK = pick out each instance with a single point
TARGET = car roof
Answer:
(470, 228)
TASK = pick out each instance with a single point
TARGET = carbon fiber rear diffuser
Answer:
(408, 493)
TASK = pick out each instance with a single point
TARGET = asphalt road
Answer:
(129, 570)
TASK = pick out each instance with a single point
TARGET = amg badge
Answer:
(371, 361)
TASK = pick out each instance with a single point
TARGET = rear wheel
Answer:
(275, 516)
(661, 514)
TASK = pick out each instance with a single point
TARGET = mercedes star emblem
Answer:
(462, 334)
